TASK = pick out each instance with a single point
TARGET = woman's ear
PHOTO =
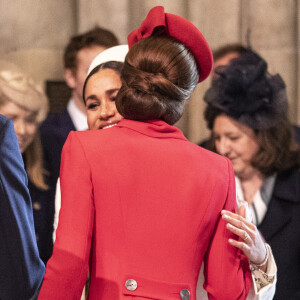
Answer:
(70, 78)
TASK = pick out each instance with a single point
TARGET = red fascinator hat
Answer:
(158, 23)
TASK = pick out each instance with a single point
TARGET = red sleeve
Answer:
(67, 269)
(227, 273)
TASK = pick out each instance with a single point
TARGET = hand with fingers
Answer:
(250, 240)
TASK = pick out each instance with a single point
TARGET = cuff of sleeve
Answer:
(264, 280)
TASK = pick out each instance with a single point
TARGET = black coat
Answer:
(43, 216)
(54, 132)
(281, 229)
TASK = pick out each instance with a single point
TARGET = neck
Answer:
(250, 185)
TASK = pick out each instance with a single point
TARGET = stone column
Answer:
(34, 33)
(273, 25)
(109, 14)
(219, 21)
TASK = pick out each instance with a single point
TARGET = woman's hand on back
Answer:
(250, 240)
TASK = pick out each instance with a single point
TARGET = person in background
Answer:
(101, 112)
(21, 269)
(224, 54)
(24, 102)
(222, 57)
(247, 113)
(78, 55)
(139, 206)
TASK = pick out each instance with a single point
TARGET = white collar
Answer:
(78, 118)
(261, 199)
(240, 200)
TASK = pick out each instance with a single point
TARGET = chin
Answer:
(22, 150)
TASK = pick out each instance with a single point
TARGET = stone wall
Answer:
(34, 33)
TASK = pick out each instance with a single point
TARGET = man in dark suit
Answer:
(78, 55)
(21, 270)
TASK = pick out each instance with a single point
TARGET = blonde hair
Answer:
(20, 89)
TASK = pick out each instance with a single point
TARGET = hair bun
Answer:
(158, 76)
(151, 83)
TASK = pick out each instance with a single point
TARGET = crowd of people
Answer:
(112, 198)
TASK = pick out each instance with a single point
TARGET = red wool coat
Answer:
(141, 202)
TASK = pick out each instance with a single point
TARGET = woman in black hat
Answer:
(247, 113)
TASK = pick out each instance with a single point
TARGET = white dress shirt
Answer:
(78, 118)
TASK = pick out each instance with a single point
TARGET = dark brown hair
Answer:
(229, 48)
(158, 76)
(113, 65)
(95, 37)
(278, 150)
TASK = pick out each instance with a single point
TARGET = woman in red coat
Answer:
(141, 206)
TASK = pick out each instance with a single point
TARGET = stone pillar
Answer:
(219, 21)
(274, 36)
(34, 33)
(109, 14)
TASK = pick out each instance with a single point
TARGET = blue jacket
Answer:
(21, 270)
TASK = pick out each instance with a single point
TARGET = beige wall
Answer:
(34, 33)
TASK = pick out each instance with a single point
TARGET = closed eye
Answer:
(234, 138)
(92, 106)
(112, 93)
(215, 137)
(31, 120)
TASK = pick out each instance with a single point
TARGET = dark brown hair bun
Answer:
(158, 76)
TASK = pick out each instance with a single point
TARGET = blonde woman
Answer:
(22, 101)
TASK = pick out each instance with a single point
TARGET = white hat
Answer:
(116, 53)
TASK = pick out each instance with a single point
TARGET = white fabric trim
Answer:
(78, 118)
(57, 206)
(268, 291)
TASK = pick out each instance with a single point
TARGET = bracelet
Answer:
(265, 260)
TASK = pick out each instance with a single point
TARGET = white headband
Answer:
(116, 53)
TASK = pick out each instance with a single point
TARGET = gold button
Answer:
(131, 285)
(36, 205)
(185, 294)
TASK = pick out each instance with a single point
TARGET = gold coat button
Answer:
(36, 205)
(131, 285)
(185, 294)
